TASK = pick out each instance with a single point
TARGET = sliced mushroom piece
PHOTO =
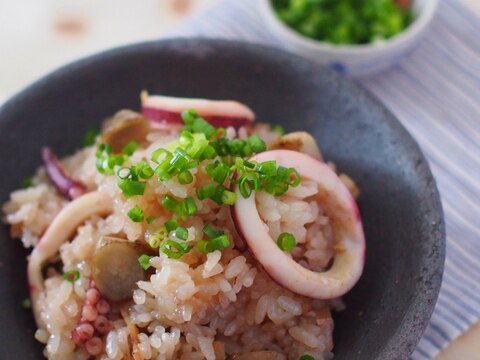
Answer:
(342, 210)
(260, 355)
(300, 141)
(115, 267)
(60, 231)
(219, 113)
(123, 127)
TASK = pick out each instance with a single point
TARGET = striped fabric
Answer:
(435, 92)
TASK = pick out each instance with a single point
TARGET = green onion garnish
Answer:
(130, 148)
(189, 116)
(27, 303)
(217, 243)
(160, 155)
(220, 242)
(170, 203)
(189, 207)
(90, 137)
(171, 225)
(131, 187)
(136, 214)
(144, 261)
(185, 177)
(278, 129)
(71, 275)
(27, 182)
(211, 232)
(150, 219)
(286, 241)
(229, 197)
(256, 143)
(173, 249)
(306, 357)
(181, 233)
(156, 239)
(206, 191)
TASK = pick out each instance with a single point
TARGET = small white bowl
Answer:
(354, 60)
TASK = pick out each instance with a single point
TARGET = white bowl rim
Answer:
(417, 26)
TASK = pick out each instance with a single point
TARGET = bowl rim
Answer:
(419, 24)
(409, 331)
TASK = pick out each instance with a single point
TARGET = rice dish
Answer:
(164, 238)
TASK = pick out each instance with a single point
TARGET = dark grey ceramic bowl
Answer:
(389, 308)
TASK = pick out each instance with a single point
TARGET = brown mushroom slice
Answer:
(115, 268)
(342, 210)
(123, 127)
(300, 141)
(60, 230)
(260, 355)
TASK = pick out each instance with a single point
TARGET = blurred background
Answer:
(37, 36)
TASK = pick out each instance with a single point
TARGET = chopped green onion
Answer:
(106, 161)
(211, 232)
(168, 246)
(306, 357)
(124, 173)
(27, 303)
(209, 152)
(256, 143)
(130, 148)
(236, 145)
(189, 116)
(160, 155)
(170, 203)
(141, 170)
(247, 150)
(202, 246)
(286, 241)
(27, 182)
(136, 214)
(229, 197)
(171, 225)
(278, 129)
(144, 261)
(189, 206)
(155, 239)
(295, 178)
(201, 126)
(181, 233)
(150, 219)
(71, 275)
(185, 139)
(219, 242)
(90, 137)
(180, 160)
(131, 187)
(206, 191)
(268, 168)
(246, 187)
(198, 145)
(185, 177)
(221, 132)
(249, 164)
(217, 197)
